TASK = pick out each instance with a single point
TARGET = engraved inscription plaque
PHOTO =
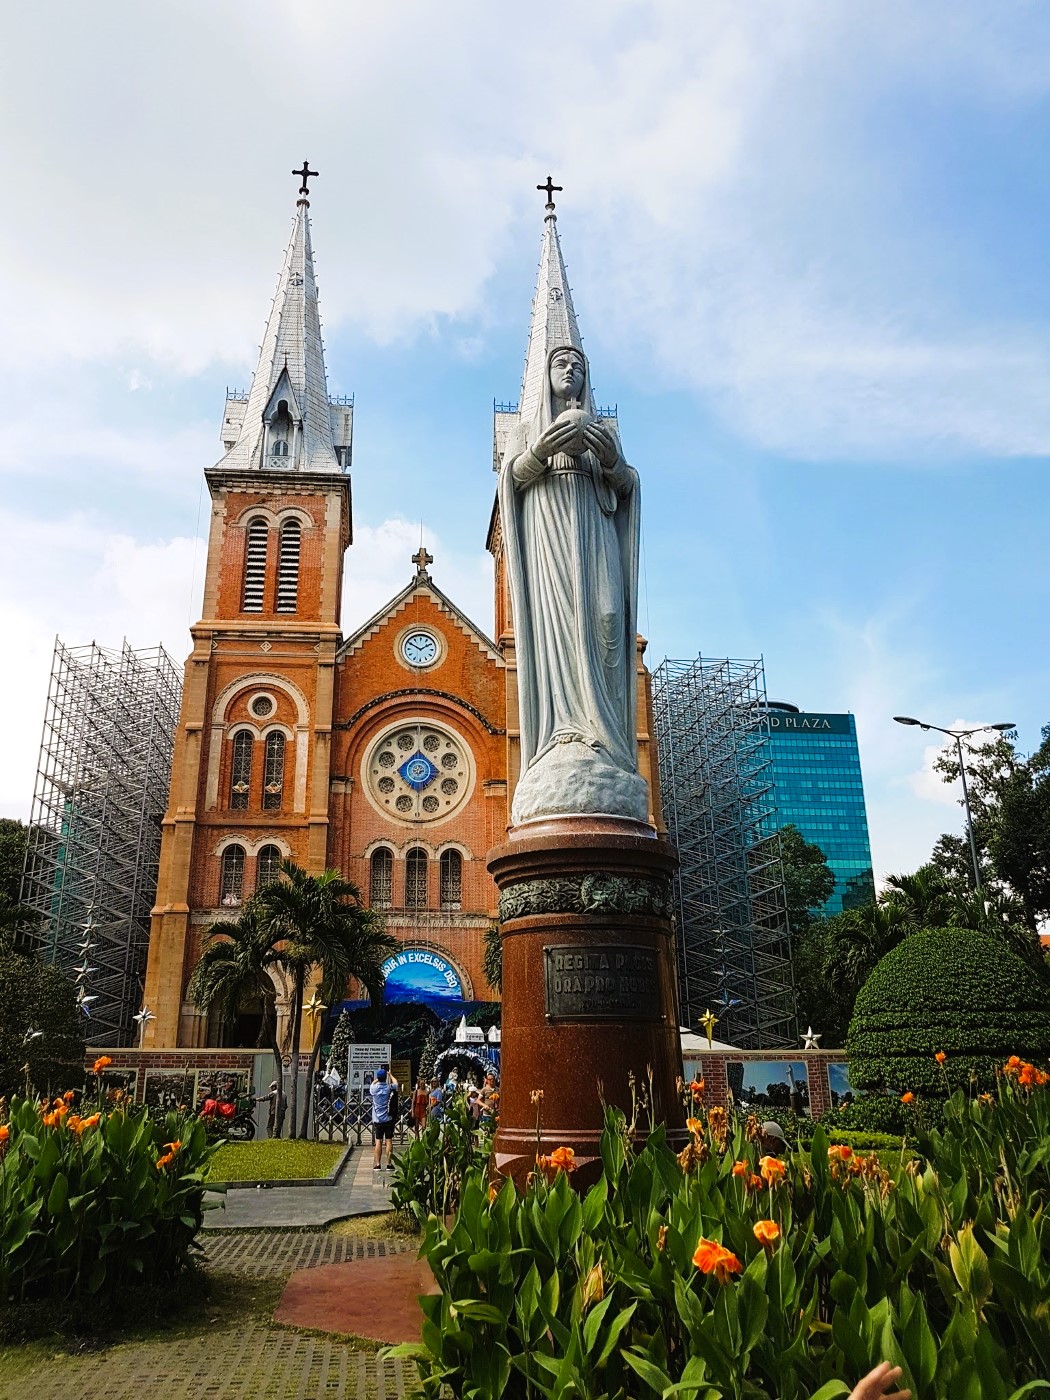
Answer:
(602, 982)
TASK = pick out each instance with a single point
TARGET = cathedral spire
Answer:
(553, 317)
(287, 420)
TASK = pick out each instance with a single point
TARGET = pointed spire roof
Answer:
(553, 316)
(290, 370)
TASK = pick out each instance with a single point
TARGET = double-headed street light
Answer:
(959, 735)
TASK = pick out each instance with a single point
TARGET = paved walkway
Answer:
(237, 1358)
(359, 1191)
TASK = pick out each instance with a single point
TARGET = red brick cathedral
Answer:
(389, 752)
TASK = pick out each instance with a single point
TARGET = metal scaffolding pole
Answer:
(734, 951)
(94, 840)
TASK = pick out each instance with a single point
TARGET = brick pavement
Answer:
(249, 1359)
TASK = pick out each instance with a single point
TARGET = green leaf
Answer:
(615, 1332)
(59, 1195)
(830, 1390)
(652, 1375)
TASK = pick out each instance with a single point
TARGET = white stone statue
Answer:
(569, 507)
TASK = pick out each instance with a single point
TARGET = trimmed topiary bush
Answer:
(950, 990)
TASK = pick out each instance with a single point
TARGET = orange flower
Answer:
(740, 1169)
(711, 1258)
(985, 1099)
(563, 1158)
(767, 1232)
(165, 1161)
(5, 1133)
(1014, 1062)
(92, 1121)
(909, 1097)
(172, 1147)
(493, 1192)
(661, 1239)
(69, 1096)
(695, 1126)
(841, 1151)
(103, 1062)
(755, 1182)
(696, 1088)
(772, 1169)
(940, 1057)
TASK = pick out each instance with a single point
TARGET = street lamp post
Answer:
(959, 735)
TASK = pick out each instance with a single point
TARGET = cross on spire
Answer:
(421, 559)
(304, 175)
(549, 189)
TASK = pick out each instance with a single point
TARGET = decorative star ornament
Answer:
(810, 1038)
(315, 1006)
(708, 1021)
(30, 1036)
(144, 1017)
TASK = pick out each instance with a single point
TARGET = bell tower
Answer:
(251, 771)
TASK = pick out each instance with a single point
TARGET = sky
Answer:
(806, 242)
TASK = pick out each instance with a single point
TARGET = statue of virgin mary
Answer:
(569, 507)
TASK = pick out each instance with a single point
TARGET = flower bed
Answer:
(723, 1272)
(95, 1197)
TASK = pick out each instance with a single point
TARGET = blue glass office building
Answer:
(818, 787)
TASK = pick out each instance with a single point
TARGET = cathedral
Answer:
(389, 751)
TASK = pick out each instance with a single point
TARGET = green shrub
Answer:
(655, 1282)
(93, 1202)
(948, 990)
(429, 1173)
(34, 997)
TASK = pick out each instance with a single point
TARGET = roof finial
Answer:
(421, 559)
(549, 189)
(304, 175)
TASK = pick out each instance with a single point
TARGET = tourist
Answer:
(489, 1101)
(436, 1101)
(420, 1108)
(382, 1091)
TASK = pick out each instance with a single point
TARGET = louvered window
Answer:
(231, 883)
(288, 567)
(416, 879)
(381, 891)
(451, 880)
(255, 566)
(273, 771)
(267, 866)
(241, 769)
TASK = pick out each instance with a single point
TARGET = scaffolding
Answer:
(94, 840)
(733, 941)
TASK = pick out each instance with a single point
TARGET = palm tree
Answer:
(234, 964)
(924, 899)
(321, 921)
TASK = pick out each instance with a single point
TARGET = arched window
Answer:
(288, 566)
(255, 566)
(381, 884)
(267, 866)
(451, 868)
(231, 880)
(241, 769)
(279, 447)
(416, 879)
(273, 771)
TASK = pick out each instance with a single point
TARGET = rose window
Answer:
(418, 772)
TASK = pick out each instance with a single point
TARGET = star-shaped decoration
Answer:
(144, 1017)
(315, 1006)
(810, 1038)
(708, 1021)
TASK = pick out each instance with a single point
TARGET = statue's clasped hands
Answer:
(559, 437)
(601, 443)
(564, 437)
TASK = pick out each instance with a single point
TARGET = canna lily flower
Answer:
(563, 1159)
(661, 1239)
(594, 1286)
(841, 1151)
(767, 1232)
(772, 1169)
(755, 1182)
(711, 1258)
(740, 1169)
(909, 1097)
(1014, 1062)
(536, 1097)
(173, 1147)
(940, 1057)
(103, 1062)
(5, 1133)
(695, 1126)
(165, 1161)
(69, 1096)
(696, 1088)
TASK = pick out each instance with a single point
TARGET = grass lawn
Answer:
(273, 1160)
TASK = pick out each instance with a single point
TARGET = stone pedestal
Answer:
(588, 985)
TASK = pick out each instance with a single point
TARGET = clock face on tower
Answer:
(420, 648)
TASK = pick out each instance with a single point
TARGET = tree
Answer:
(952, 990)
(492, 958)
(320, 921)
(36, 998)
(16, 920)
(808, 880)
(1010, 807)
(832, 959)
(234, 965)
